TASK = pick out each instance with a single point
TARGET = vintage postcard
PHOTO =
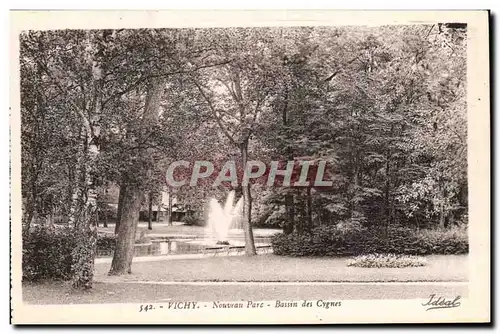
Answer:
(250, 167)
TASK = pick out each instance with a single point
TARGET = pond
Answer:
(175, 245)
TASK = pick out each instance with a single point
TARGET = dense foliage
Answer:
(335, 241)
(106, 242)
(47, 254)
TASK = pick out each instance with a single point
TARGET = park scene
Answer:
(238, 164)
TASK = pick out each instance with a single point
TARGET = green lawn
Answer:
(272, 268)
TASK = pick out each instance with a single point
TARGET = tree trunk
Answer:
(299, 224)
(77, 180)
(441, 217)
(289, 201)
(97, 217)
(50, 218)
(31, 200)
(309, 208)
(158, 212)
(442, 212)
(290, 214)
(387, 191)
(170, 222)
(247, 208)
(29, 219)
(124, 250)
(84, 253)
(123, 191)
(105, 212)
(159, 202)
(356, 207)
(150, 211)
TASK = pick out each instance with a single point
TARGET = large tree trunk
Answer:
(84, 253)
(123, 190)
(132, 200)
(247, 208)
(124, 250)
(77, 180)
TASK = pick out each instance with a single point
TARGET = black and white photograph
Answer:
(251, 170)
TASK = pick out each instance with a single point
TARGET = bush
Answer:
(386, 261)
(106, 242)
(445, 241)
(344, 241)
(47, 253)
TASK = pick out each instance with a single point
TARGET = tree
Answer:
(236, 94)
(71, 65)
(160, 56)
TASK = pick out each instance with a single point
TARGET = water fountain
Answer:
(223, 233)
(221, 219)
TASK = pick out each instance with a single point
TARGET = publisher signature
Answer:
(436, 302)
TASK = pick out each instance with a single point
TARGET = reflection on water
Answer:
(174, 246)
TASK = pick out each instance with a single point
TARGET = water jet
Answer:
(221, 219)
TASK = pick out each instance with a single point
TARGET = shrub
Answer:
(342, 241)
(445, 241)
(106, 242)
(386, 261)
(47, 253)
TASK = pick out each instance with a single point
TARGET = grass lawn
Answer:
(272, 268)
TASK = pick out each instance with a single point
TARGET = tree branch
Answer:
(214, 112)
(166, 74)
(86, 122)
